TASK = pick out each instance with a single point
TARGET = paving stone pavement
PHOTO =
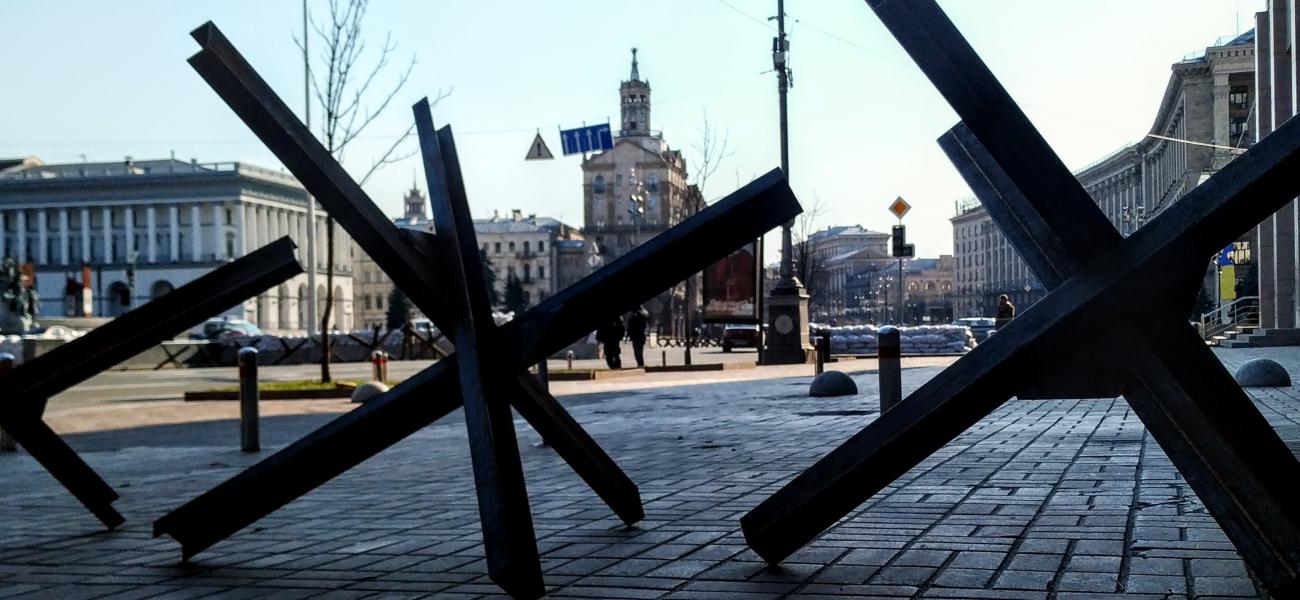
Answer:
(1065, 499)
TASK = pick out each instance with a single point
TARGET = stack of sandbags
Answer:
(922, 339)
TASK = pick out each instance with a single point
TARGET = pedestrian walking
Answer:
(1006, 312)
(636, 329)
(610, 335)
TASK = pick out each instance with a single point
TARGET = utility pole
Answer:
(311, 202)
(787, 342)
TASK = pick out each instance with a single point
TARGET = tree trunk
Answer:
(329, 301)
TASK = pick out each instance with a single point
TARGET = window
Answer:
(498, 248)
(230, 217)
(618, 181)
(652, 182)
(379, 301)
(1238, 97)
(1236, 128)
(368, 306)
(598, 185)
(528, 272)
(525, 246)
(541, 246)
(541, 272)
(512, 246)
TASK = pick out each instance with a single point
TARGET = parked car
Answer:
(734, 336)
(225, 327)
(980, 327)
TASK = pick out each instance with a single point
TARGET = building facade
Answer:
(1202, 123)
(638, 189)
(831, 259)
(1276, 238)
(524, 249)
(143, 228)
(371, 286)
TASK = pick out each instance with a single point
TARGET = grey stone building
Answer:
(1275, 239)
(142, 228)
(1203, 121)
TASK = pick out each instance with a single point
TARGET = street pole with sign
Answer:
(901, 250)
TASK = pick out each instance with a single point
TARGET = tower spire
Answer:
(635, 75)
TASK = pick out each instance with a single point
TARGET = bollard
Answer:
(818, 348)
(891, 368)
(6, 443)
(569, 355)
(248, 434)
(663, 358)
(826, 345)
(383, 366)
(376, 365)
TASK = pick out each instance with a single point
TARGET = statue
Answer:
(19, 300)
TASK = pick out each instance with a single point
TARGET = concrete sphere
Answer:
(368, 391)
(832, 383)
(1262, 372)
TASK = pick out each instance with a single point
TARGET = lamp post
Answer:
(787, 341)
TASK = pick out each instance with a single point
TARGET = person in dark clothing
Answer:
(1006, 312)
(636, 326)
(610, 335)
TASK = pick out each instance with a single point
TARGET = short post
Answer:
(6, 443)
(889, 355)
(383, 366)
(248, 435)
(826, 344)
(377, 365)
(821, 355)
(569, 356)
(663, 358)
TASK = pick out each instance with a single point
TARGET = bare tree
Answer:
(809, 267)
(346, 92)
(711, 151)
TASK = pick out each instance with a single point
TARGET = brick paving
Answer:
(1065, 499)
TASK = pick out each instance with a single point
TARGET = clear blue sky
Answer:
(109, 79)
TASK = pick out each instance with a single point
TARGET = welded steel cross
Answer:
(28, 387)
(488, 372)
(1124, 300)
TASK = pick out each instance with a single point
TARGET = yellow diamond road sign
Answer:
(899, 207)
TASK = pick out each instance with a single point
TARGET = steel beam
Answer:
(30, 384)
(221, 65)
(1225, 449)
(508, 537)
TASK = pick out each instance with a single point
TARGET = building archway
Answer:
(340, 322)
(160, 288)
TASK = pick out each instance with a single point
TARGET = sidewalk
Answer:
(1044, 499)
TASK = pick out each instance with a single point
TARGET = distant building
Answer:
(1202, 123)
(523, 248)
(372, 287)
(637, 190)
(171, 221)
(831, 259)
(1275, 238)
(929, 289)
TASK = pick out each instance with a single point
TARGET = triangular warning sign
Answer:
(539, 151)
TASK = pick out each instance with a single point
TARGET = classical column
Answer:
(196, 233)
(174, 227)
(42, 238)
(241, 229)
(22, 235)
(63, 236)
(107, 218)
(219, 233)
(85, 236)
(128, 223)
(151, 230)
